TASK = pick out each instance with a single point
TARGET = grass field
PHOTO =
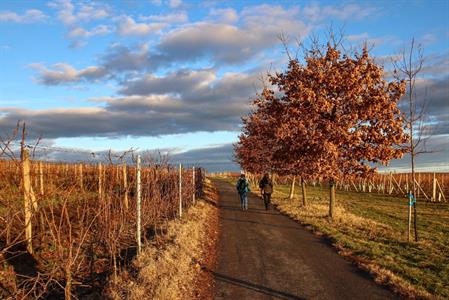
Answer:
(371, 230)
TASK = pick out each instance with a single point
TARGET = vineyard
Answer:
(432, 187)
(67, 229)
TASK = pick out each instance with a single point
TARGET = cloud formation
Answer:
(29, 16)
(65, 74)
(81, 12)
(219, 42)
(181, 102)
(127, 26)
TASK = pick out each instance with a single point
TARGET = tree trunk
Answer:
(304, 192)
(332, 199)
(292, 188)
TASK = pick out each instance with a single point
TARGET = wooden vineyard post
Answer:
(28, 198)
(41, 179)
(332, 199)
(139, 200)
(434, 188)
(391, 184)
(406, 183)
(81, 177)
(180, 190)
(419, 181)
(100, 181)
(304, 195)
(292, 188)
(125, 186)
(193, 183)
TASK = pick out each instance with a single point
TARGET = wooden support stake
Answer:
(332, 200)
(41, 179)
(194, 186)
(398, 185)
(29, 199)
(419, 180)
(419, 186)
(180, 190)
(441, 191)
(125, 186)
(139, 200)
(81, 177)
(434, 188)
(304, 192)
(100, 181)
(292, 188)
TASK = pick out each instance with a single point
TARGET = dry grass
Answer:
(173, 269)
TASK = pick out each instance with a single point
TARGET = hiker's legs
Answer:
(245, 201)
(266, 200)
(242, 200)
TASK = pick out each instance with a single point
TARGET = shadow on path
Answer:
(254, 287)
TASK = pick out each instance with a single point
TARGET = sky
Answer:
(178, 75)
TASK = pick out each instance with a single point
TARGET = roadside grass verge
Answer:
(171, 267)
(370, 229)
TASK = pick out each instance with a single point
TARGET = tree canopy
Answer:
(333, 116)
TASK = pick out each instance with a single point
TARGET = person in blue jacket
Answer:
(243, 190)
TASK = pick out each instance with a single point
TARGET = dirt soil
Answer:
(266, 255)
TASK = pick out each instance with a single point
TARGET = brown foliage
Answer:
(333, 117)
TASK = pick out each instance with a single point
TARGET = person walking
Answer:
(243, 190)
(266, 188)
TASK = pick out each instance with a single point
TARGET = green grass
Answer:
(371, 229)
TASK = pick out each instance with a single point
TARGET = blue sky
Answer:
(178, 75)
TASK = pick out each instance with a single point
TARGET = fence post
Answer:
(292, 188)
(139, 199)
(434, 188)
(100, 181)
(332, 199)
(125, 185)
(180, 190)
(81, 176)
(41, 179)
(194, 186)
(29, 199)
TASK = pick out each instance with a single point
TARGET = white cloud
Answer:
(62, 73)
(79, 32)
(226, 43)
(30, 16)
(174, 3)
(225, 15)
(73, 14)
(169, 18)
(127, 26)
(70, 14)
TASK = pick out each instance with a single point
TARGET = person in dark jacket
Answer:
(243, 190)
(266, 188)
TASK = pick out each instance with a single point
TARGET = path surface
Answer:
(265, 255)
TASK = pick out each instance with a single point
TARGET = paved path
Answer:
(265, 255)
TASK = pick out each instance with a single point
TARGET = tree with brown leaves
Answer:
(336, 116)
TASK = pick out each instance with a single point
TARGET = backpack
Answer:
(242, 186)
